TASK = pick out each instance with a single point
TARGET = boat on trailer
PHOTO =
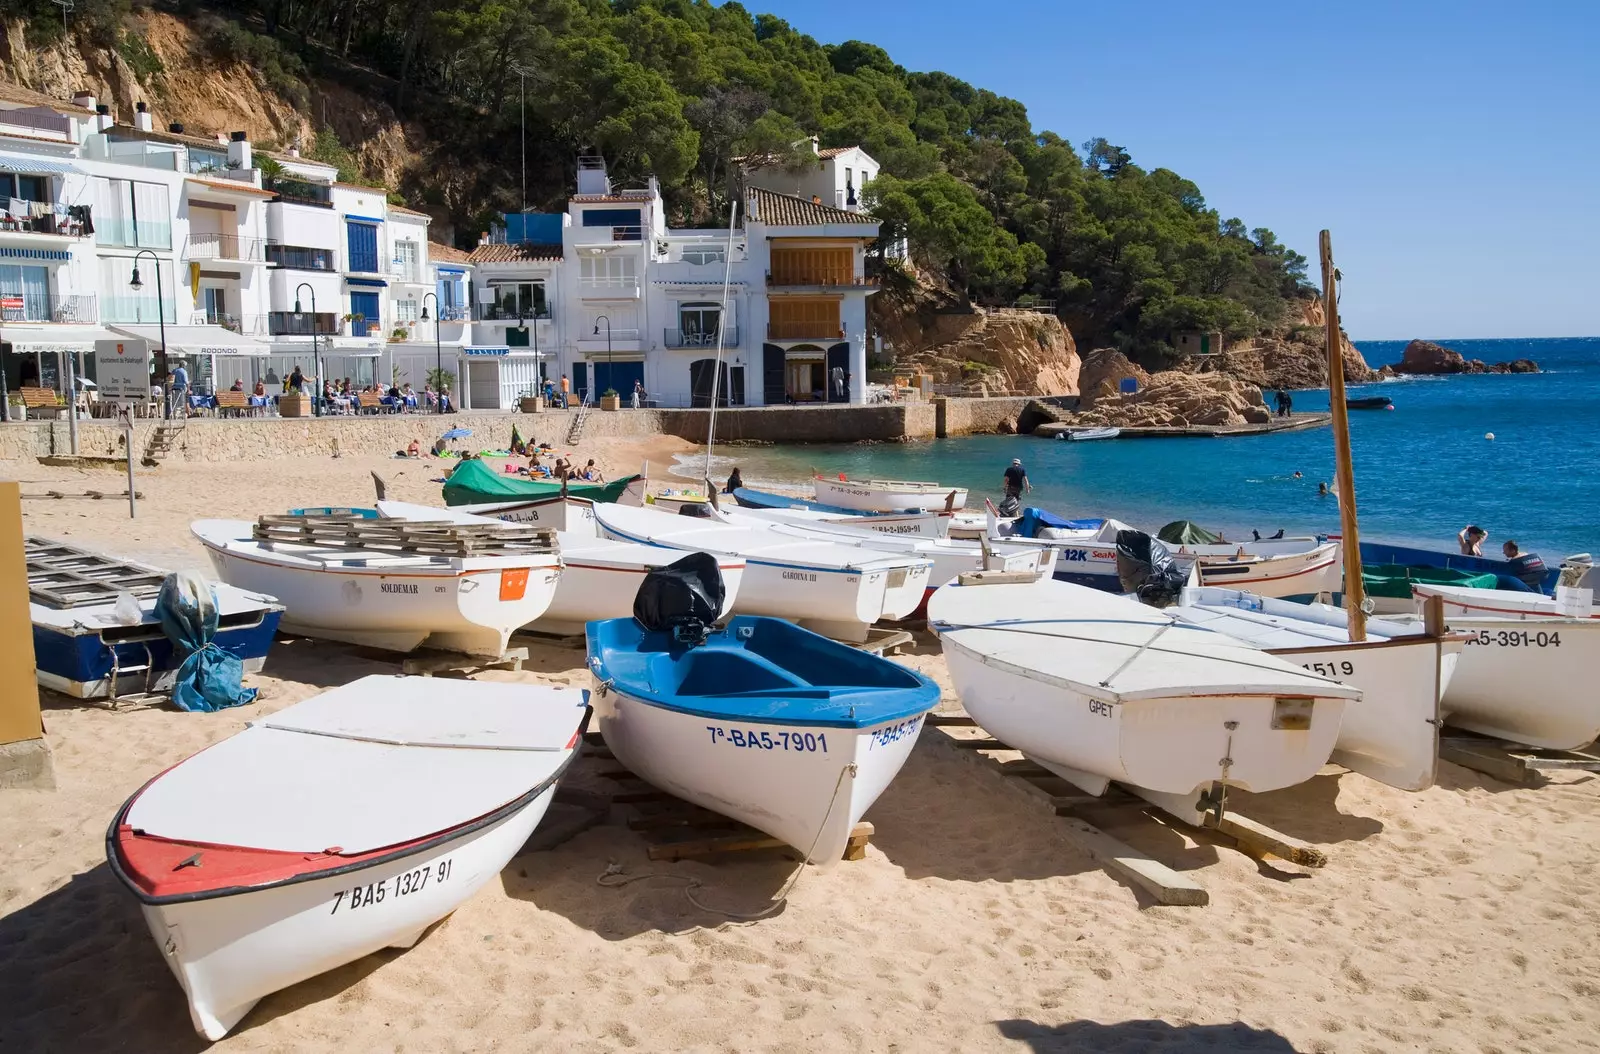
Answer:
(1527, 672)
(599, 577)
(835, 589)
(336, 827)
(1100, 688)
(88, 643)
(391, 585)
(782, 729)
(1393, 735)
(886, 495)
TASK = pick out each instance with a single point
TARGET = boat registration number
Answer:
(882, 737)
(1331, 669)
(402, 885)
(800, 742)
(1516, 638)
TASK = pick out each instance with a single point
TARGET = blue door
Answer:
(618, 375)
(363, 243)
(365, 305)
(580, 380)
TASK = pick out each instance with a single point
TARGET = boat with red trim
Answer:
(302, 843)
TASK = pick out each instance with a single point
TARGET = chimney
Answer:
(85, 99)
(102, 120)
(483, 239)
(239, 151)
(176, 127)
(294, 151)
(816, 145)
(592, 177)
(141, 117)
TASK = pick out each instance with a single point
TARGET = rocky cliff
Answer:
(1426, 357)
(982, 352)
(1296, 357)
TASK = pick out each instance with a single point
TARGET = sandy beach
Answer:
(1456, 919)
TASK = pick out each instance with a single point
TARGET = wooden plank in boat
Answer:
(403, 535)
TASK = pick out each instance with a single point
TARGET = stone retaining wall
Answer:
(808, 424)
(961, 417)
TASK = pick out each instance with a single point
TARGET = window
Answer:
(363, 245)
(705, 256)
(24, 294)
(405, 259)
(610, 271)
(299, 258)
(405, 310)
(697, 324)
(135, 215)
(520, 300)
(28, 188)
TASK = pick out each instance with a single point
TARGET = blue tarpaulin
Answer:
(209, 679)
(1034, 518)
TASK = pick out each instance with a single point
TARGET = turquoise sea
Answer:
(1423, 470)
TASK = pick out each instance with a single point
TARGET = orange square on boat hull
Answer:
(513, 583)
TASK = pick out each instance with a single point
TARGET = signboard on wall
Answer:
(122, 368)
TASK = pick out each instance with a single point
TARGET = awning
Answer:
(52, 340)
(28, 165)
(498, 349)
(35, 254)
(355, 346)
(196, 340)
(376, 282)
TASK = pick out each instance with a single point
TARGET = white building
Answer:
(836, 177)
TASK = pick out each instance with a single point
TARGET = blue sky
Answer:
(1453, 149)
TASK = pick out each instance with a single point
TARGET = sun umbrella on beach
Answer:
(457, 433)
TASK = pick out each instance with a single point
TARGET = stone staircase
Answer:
(162, 440)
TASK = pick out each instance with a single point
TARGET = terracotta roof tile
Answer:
(497, 252)
(128, 131)
(409, 212)
(441, 253)
(791, 210)
(10, 91)
(233, 187)
(834, 151)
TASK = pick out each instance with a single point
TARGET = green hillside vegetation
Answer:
(679, 88)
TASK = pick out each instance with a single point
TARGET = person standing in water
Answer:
(1016, 479)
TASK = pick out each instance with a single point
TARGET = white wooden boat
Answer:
(1084, 435)
(1527, 672)
(835, 589)
(920, 525)
(886, 495)
(338, 826)
(599, 577)
(785, 730)
(1097, 688)
(1393, 735)
(1502, 603)
(384, 598)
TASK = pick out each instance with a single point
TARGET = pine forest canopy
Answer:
(680, 88)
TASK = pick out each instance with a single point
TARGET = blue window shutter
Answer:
(363, 241)
(365, 305)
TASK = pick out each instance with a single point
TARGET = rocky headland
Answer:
(1424, 358)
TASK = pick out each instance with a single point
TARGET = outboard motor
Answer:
(1010, 507)
(695, 508)
(684, 598)
(1146, 569)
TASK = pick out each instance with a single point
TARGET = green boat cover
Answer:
(1394, 580)
(1186, 532)
(475, 482)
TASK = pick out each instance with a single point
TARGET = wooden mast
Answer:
(1355, 593)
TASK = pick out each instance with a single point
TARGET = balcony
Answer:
(302, 324)
(510, 312)
(30, 217)
(225, 247)
(456, 313)
(43, 307)
(817, 279)
(136, 310)
(126, 234)
(610, 287)
(406, 271)
(804, 331)
(617, 336)
(300, 258)
(677, 338)
(300, 192)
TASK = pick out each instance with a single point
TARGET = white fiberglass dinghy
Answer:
(599, 577)
(363, 583)
(1393, 735)
(886, 495)
(338, 826)
(838, 590)
(1097, 688)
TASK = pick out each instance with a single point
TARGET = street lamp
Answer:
(161, 318)
(611, 369)
(438, 351)
(316, 346)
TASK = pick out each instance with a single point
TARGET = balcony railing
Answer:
(298, 324)
(677, 338)
(610, 285)
(804, 331)
(299, 258)
(28, 217)
(299, 192)
(617, 336)
(146, 234)
(208, 246)
(38, 118)
(138, 310)
(44, 307)
(210, 170)
(511, 313)
(405, 271)
(822, 277)
(455, 313)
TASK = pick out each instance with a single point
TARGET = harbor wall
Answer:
(988, 416)
(809, 424)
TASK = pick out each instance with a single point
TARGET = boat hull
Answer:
(885, 496)
(593, 589)
(1528, 681)
(227, 952)
(81, 664)
(398, 610)
(840, 604)
(807, 786)
(1169, 747)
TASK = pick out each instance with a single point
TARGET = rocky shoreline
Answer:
(1424, 358)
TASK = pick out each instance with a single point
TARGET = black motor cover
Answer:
(1146, 569)
(684, 598)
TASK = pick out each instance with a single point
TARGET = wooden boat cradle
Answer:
(403, 536)
(960, 734)
(1509, 762)
(64, 576)
(674, 829)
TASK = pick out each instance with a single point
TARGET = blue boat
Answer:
(1410, 556)
(96, 633)
(767, 723)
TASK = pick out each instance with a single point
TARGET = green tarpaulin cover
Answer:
(474, 482)
(1394, 580)
(1186, 532)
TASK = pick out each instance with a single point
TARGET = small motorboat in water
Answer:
(1393, 735)
(1084, 435)
(1096, 688)
(886, 495)
(782, 729)
(1369, 402)
(344, 824)
(96, 631)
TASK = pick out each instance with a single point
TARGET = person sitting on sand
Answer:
(1471, 540)
(591, 473)
(563, 468)
(414, 449)
(735, 481)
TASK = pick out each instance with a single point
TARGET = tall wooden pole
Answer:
(1355, 593)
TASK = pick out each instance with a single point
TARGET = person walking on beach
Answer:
(1471, 540)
